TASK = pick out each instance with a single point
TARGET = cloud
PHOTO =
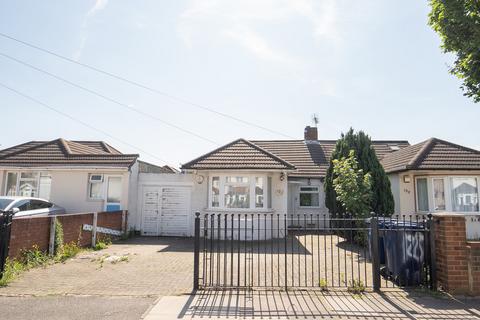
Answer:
(243, 21)
(97, 7)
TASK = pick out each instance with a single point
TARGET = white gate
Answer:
(166, 211)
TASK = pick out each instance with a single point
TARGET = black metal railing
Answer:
(5, 230)
(251, 250)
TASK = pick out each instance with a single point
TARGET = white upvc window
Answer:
(309, 197)
(239, 191)
(447, 193)
(107, 188)
(95, 186)
(464, 194)
(439, 200)
(28, 184)
(421, 194)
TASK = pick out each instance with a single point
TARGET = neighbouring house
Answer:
(275, 176)
(81, 176)
(434, 176)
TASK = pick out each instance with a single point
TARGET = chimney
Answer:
(310, 133)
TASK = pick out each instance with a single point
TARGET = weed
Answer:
(58, 243)
(33, 258)
(323, 285)
(68, 251)
(102, 244)
(12, 269)
(356, 287)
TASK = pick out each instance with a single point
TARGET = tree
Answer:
(458, 24)
(381, 201)
(352, 186)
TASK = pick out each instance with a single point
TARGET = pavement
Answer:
(313, 304)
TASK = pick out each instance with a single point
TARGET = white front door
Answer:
(166, 211)
(151, 216)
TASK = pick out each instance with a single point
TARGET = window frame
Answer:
(445, 187)
(102, 187)
(308, 192)
(450, 187)
(428, 194)
(252, 188)
(40, 174)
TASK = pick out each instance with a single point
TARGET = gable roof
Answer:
(432, 154)
(312, 158)
(61, 152)
(239, 154)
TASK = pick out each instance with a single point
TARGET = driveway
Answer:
(153, 267)
(87, 288)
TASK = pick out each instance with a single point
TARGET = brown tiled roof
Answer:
(311, 159)
(145, 167)
(239, 154)
(61, 152)
(307, 159)
(433, 154)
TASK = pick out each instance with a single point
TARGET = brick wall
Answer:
(458, 261)
(27, 232)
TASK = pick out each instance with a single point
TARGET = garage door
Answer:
(166, 211)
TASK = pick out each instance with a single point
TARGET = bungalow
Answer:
(434, 176)
(273, 176)
(81, 176)
(286, 176)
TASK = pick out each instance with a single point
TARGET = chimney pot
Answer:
(310, 133)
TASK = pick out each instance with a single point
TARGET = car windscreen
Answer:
(4, 203)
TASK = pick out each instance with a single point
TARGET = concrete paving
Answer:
(312, 305)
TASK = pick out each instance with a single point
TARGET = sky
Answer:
(373, 65)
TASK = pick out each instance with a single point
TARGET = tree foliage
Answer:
(458, 24)
(381, 201)
(352, 186)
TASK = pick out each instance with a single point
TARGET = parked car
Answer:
(26, 206)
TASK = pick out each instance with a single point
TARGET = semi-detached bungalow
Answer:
(244, 176)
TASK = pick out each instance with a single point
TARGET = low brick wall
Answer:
(458, 260)
(29, 231)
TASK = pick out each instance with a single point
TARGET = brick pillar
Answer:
(453, 254)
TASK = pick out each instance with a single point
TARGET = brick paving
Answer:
(155, 267)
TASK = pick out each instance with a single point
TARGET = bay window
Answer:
(448, 193)
(239, 192)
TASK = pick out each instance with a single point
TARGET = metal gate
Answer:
(5, 228)
(266, 250)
